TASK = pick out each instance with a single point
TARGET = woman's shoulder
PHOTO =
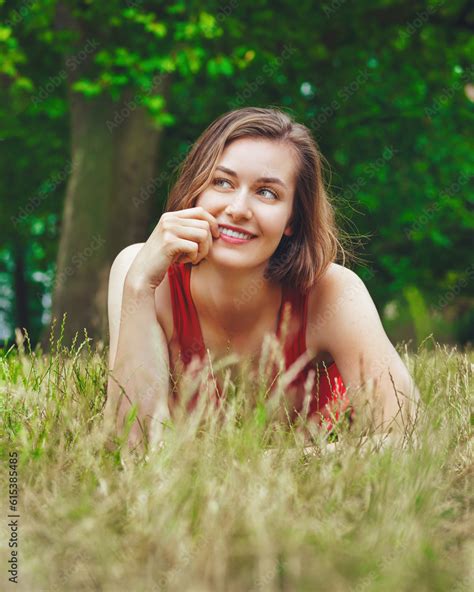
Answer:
(334, 278)
(327, 296)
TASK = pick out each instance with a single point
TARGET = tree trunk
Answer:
(113, 154)
(20, 289)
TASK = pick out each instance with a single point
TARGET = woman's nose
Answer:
(240, 203)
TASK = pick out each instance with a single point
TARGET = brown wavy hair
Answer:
(300, 259)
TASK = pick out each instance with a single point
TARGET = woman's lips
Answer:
(233, 240)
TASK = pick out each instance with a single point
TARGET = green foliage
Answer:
(419, 312)
(386, 91)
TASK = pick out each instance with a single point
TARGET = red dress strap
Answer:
(185, 319)
(328, 385)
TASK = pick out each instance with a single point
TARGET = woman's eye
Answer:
(275, 196)
(218, 180)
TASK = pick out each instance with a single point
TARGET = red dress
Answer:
(328, 387)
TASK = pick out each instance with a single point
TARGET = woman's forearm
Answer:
(140, 372)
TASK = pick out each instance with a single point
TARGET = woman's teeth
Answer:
(228, 232)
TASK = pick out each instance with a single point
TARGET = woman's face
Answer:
(254, 192)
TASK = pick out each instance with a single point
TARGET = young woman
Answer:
(248, 236)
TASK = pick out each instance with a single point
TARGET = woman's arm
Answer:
(140, 366)
(348, 326)
(138, 355)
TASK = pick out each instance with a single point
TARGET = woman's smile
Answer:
(232, 237)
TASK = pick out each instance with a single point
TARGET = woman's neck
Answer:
(236, 302)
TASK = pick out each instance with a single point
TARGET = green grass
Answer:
(215, 509)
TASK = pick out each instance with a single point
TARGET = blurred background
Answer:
(100, 101)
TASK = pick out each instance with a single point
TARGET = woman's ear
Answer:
(289, 225)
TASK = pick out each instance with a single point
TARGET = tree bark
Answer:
(114, 149)
(20, 289)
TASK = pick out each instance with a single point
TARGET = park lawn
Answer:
(239, 504)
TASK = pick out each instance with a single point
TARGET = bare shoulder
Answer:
(125, 257)
(336, 281)
(337, 288)
(119, 269)
(118, 272)
(337, 273)
(347, 325)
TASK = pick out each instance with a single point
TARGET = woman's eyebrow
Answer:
(262, 179)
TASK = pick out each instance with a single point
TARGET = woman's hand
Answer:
(179, 237)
